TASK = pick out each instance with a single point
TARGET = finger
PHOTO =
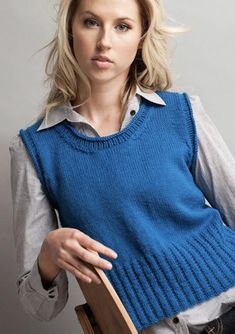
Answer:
(81, 266)
(95, 245)
(75, 271)
(73, 247)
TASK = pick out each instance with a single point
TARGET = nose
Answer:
(104, 40)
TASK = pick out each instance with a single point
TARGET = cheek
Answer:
(81, 46)
(130, 49)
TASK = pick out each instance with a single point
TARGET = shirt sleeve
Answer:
(33, 218)
(214, 169)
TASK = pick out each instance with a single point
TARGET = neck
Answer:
(104, 103)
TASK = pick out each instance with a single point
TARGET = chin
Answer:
(101, 79)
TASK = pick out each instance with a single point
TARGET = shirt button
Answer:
(51, 293)
(132, 112)
(176, 320)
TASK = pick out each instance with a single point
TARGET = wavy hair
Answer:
(149, 70)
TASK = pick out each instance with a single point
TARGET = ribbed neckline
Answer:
(86, 143)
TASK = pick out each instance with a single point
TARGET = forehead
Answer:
(110, 8)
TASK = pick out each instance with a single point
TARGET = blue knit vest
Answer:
(134, 192)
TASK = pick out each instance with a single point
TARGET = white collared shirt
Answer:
(67, 112)
(33, 217)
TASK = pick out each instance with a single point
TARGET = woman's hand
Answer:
(68, 248)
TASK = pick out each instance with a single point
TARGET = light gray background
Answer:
(203, 64)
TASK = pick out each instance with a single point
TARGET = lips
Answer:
(102, 58)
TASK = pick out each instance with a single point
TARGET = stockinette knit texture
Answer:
(134, 192)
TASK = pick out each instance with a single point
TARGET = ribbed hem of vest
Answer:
(89, 144)
(160, 285)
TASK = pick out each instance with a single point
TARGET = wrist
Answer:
(47, 269)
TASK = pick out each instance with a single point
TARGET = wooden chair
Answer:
(103, 312)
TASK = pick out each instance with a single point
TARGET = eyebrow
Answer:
(120, 18)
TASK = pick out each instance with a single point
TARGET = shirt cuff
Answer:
(35, 283)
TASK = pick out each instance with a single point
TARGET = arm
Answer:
(214, 171)
(44, 251)
(33, 219)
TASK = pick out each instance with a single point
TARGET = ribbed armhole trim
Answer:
(186, 105)
(33, 153)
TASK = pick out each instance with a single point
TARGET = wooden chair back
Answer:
(104, 312)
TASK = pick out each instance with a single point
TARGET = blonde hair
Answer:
(149, 70)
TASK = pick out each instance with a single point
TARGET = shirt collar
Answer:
(67, 112)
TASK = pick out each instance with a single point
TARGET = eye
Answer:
(89, 22)
(92, 23)
(124, 27)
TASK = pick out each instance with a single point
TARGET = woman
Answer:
(115, 158)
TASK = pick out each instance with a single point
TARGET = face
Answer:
(107, 28)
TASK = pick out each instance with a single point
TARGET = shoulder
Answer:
(178, 94)
(183, 99)
(195, 102)
(33, 126)
(175, 98)
(17, 148)
(18, 152)
(16, 143)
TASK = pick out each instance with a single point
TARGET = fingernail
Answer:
(109, 265)
(114, 255)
